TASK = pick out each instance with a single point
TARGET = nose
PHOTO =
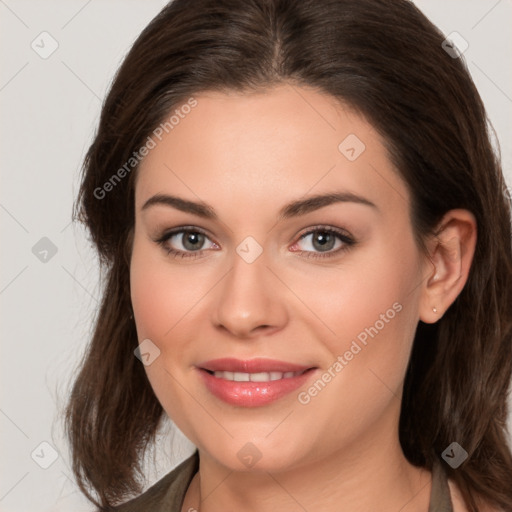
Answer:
(250, 300)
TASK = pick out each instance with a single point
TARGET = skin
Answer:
(247, 155)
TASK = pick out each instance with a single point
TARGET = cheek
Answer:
(162, 293)
(371, 309)
(168, 305)
(151, 299)
(159, 302)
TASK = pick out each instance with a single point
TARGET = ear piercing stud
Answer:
(434, 310)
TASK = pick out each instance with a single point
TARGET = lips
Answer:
(251, 366)
(252, 383)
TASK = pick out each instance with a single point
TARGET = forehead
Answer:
(285, 142)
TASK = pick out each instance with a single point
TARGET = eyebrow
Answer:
(292, 209)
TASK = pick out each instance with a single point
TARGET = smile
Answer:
(252, 383)
(256, 377)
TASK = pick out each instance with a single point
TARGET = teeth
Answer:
(255, 377)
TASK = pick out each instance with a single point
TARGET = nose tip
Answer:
(247, 304)
(246, 330)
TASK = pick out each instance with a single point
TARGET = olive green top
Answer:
(167, 494)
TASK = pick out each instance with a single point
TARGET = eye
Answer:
(186, 242)
(319, 242)
(323, 241)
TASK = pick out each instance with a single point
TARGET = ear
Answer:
(451, 252)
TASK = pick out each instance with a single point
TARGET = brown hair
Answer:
(385, 59)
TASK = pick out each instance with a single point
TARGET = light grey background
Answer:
(50, 109)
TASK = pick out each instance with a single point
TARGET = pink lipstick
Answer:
(252, 383)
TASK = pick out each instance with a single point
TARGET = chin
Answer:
(256, 454)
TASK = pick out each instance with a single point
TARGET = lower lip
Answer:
(252, 394)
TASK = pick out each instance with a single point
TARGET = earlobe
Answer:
(451, 252)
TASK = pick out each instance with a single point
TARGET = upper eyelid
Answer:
(168, 233)
(326, 227)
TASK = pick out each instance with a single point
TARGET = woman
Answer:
(307, 241)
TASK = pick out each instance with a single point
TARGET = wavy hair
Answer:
(385, 59)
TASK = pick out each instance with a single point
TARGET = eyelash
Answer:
(347, 241)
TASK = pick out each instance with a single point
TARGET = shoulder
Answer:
(458, 501)
(166, 494)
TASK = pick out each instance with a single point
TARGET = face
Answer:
(284, 302)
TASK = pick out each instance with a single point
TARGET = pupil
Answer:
(323, 241)
(193, 240)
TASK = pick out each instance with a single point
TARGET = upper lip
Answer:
(256, 365)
